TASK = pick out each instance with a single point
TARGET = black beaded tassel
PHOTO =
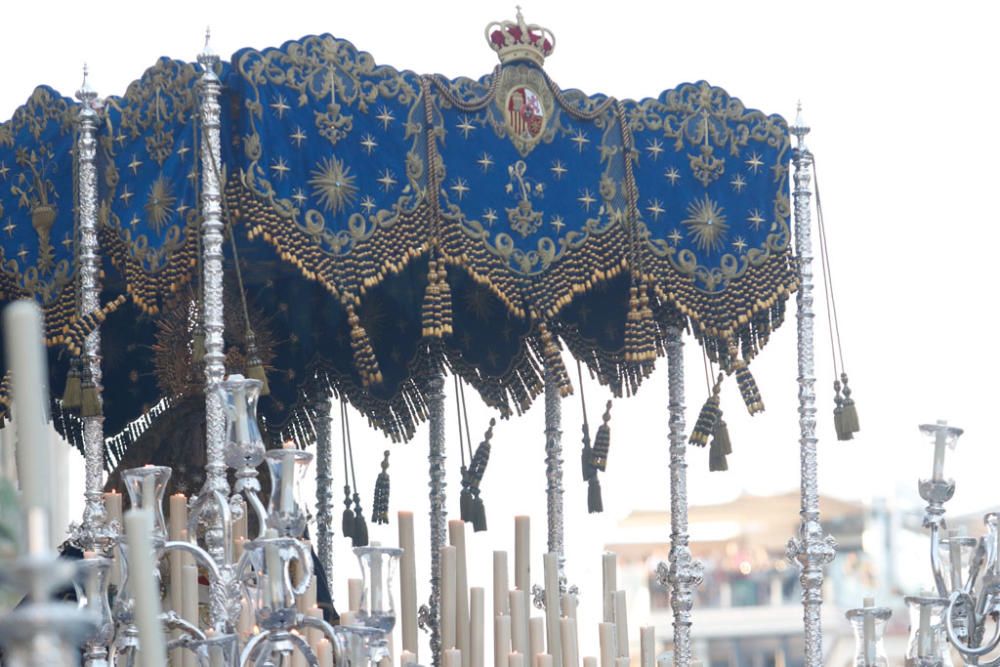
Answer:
(380, 504)
(721, 447)
(477, 469)
(838, 413)
(850, 418)
(602, 441)
(465, 497)
(347, 520)
(72, 394)
(359, 538)
(708, 418)
(595, 504)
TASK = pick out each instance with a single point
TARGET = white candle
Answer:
(287, 479)
(515, 659)
(500, 585)
(609, 647)
(449, 584)
(519, 623)
(298, 658)
(621, 623)
(570, 647)
(622, 661)
(375, 585)
(550, 562)
(8, 453)
(240, 405)
(314, 635)
(216, 657)
(924, 630)
(408, 584)
(113, 506)
(347, 618)
(407, 658)
(355, 587)
(324, 653)
(477, 609)
(647, 646)
(868, 632)
(60, 487)
(453, 658)
(26, 361)
(275, 594)
(456, 536)
(189, 610)
(568, 604)
(536, 636)
(501, 640)
(590, 661)
(609, 580)
(177, 528)
(147, 498)
(244, 625)
(522, 553)
(543, 660)
(138, 533)
(665, 661)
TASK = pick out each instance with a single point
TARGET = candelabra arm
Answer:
(305, 562)
(961, 598)
(203, 557)
(174, 622)
(206, 505)
(937, 567)
(252, 646)
(258, 509)
(321, 625)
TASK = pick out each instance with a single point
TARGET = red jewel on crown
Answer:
(517, 40)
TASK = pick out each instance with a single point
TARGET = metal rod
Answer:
(810, 549)
(684, 574)
(324, 484)
(438, 513)
(211, 228)
(554, 472)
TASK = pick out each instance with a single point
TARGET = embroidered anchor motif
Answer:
(523, 218)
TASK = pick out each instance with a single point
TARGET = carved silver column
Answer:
(684, 574)
(92, 534)
(810, 549)
(438, 513)
(554, 471)
(324, 484)
(211, 229)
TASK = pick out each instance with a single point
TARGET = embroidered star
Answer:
(135, 220)
(126, 196)
(10, 227)
(580, 139)
(298, 136)
(369, 143)
(655, 147)
(299, 196)
(466, 126)
(385, 115)
(756, 219)
(558, 169)
(280, 105)
(67, 241)
(368, 204)
(586, 199)
(120, 138)
(485, 161)
(3, 170)
(192, 175)
(22, 253)
(656, 208)
(740, 244)
(387, 180)
(675, 237)
(755, 162)
(672, 175)
(460, 187)
(558, 223)
(135, 164)
(181, 208)
(738, 183)
(183, 149)
(490, 216)
(280, 167)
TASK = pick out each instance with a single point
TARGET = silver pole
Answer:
(92, 534)
(211, 228)
(324, 484)
(554, 471)
(810, 549)
(438, 513)
(684, 574)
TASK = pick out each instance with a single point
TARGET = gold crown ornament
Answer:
(517, 40)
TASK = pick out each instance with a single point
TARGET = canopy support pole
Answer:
(215, 370)
(810, 548)
(438, 512)
(324, 483)
(554, 472)
(684, 574)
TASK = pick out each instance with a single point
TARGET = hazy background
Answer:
(901, 98)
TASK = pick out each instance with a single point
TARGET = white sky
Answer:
(900, 97)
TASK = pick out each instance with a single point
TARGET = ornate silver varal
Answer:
(324, 484)
(93, 534)
(438, 513)
(211, 229)
(554, 471)
(810, 549)
(684, 574)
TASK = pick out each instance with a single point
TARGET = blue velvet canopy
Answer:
(385, 222)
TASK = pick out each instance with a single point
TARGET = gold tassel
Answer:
(72, 397)
(255, 367)
(639, 345)
(444, 301)
(364, 354)
(745, 381)
(430, 311)
(90, 402)
(553, 359)
(850, 417)
(708, 418)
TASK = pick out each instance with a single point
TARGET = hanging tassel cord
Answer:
(359, 536)
(380, 504)
(477, 468)
(347, 520)
(595, 502)
(845, 415)
(465, 497)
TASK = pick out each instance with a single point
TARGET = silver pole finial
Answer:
(799, 128)
(86, 94)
